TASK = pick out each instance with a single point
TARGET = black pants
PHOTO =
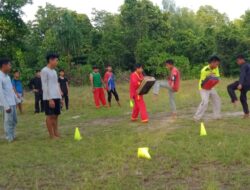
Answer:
(39, 106)
(114, 92)
(66, 100)
(243, 95)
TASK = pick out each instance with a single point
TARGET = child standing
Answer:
(109, 79)
(51, 95)
(97, 87)
(64, 85)
(18, 88)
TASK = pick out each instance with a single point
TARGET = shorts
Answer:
(52, 111)
(19, 100)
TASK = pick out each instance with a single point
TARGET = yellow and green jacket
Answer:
(206, 72)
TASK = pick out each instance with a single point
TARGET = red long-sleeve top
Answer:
(174, 79)
(135, 82)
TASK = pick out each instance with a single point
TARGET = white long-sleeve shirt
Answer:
(50, 84)
(7, 94)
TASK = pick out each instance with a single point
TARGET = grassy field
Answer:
(106, 157)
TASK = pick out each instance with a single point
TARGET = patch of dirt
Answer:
(157, 121)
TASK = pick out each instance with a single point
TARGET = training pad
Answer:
(146, 85)
(210, 82)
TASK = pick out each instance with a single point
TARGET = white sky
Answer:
(233, 8)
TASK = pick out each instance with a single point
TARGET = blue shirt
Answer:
(111, 82)
(7, 94)
(17, 84)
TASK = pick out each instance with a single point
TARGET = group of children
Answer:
(209, 78)
(50, 91)
(98, 85)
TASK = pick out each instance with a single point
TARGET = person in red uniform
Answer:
(139, 105)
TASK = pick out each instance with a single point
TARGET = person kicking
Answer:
(109, 80)
(243, 85)
(208, 72)
(51, 94)
(8, 100)
(139, 105)
(172, 84)
(97, 87)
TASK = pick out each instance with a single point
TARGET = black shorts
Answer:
(52, 111)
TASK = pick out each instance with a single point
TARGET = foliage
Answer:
(140, 33)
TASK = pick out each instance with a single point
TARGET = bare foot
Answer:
(246, 116)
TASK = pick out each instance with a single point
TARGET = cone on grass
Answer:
(203, 131)
(131, 104)
(78, 136)
(143, 153)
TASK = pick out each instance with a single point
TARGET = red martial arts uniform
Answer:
(139, 104)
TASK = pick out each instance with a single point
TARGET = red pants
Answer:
(140, 107)
(99, 96)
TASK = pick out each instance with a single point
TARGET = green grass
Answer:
(106, 157)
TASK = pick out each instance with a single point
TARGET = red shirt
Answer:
(174, 79)
(106, 78)
(135, 82)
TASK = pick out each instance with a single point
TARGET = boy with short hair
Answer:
(172, 84)
(97, 87)
(211, 70)
(36, 86)
(18, 88)
(136, 79)
(7, 100)
(109, 79)
(51, 94)
(64, 85)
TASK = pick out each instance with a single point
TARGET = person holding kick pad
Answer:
(209, 78)
(139, 105)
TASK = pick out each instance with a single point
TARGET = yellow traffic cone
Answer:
(78, 136)
(143, 153)
(203, 131)
(131, 104)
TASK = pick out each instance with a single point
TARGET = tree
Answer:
(12, 27)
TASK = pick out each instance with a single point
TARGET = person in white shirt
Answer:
(7, 100)
(51, 95)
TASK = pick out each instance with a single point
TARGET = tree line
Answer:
(140, 33)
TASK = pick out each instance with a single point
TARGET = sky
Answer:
(233, 8)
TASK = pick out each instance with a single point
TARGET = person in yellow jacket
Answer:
(207, 91)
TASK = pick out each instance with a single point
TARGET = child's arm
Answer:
(67, 83)
(91, 81)
(14, 88)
